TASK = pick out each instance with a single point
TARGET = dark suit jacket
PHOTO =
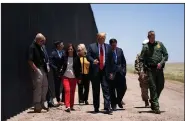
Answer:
(45, 54)
(76, 66)
(55, 61)
(121, 62)
(93, 53)
(46, 57)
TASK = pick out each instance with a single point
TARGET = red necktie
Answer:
(101, 57)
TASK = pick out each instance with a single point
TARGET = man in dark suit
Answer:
(100, 57)
(118, 85)
(49, 96)
(57, 60)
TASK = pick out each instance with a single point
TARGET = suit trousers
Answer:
(69, 90)
(83, 88)
(100, 78)
(49, 96)
(58, 86)
(40, 88)
(118, 88)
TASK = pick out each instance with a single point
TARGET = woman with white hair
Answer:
(83, 85)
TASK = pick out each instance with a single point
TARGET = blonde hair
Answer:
(83, 48)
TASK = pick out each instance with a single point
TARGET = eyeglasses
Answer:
(79, 50)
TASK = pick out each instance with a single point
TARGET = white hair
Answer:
(82, 47)
(39, 36)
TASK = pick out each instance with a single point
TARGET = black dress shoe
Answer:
(108, 111)
(72, 109)
(68, 110)
(96, 110)
(120, 105)
(86, 102)
(105, 108)
(114, 108)
(81, 101)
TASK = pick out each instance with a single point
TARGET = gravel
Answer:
(171, 104)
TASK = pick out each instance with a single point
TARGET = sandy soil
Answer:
(171, 103)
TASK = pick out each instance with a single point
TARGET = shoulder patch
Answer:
(158, 45)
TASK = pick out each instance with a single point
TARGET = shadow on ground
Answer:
(149, 111)
(82, 104)
(103, 112)
(142, 107)
(120, 109)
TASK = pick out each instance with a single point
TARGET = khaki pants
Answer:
(144, 88)
(40, 88)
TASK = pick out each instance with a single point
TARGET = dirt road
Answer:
(171, 103)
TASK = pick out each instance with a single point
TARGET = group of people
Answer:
(100, 63)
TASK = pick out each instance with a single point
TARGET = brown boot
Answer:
(37, 110)
(146, 103)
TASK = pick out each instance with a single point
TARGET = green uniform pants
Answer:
(156, 85)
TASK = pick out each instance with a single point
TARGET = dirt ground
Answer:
(171, 105)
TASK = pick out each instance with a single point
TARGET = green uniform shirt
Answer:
(154, 53)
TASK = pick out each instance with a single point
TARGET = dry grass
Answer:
(172, 71)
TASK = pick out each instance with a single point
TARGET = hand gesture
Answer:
(111, 76)
(95, 61)
(79, 81)
(158, 66)
(48, 68)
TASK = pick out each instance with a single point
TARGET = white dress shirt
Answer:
(103, 52)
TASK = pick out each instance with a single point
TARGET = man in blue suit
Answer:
(57, 60)
(100, 57)
(49, 96)
(118, 85)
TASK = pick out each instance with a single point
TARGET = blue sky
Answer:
(129, 24)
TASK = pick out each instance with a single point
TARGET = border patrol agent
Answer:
(153, 56)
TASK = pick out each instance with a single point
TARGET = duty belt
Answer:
(153, 66)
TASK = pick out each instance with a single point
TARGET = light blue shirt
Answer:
(59, 53)
(115, 56)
